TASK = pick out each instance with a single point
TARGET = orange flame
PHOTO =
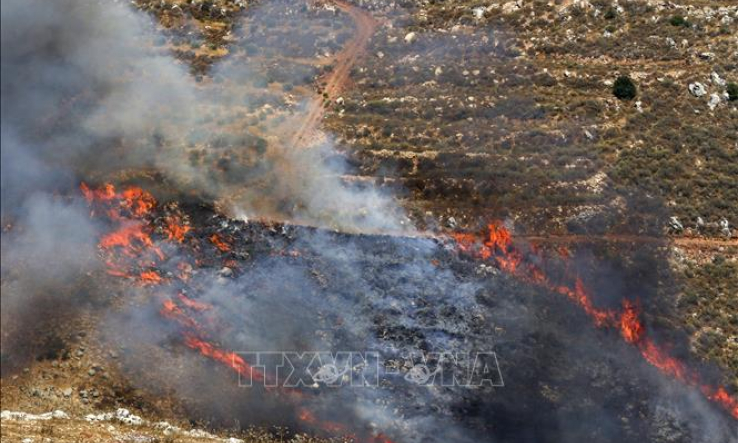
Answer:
(176, 229)
(131, 238)
(220, 243)
(193, 304)
(150, 278)
(498, 246)
(230, 359)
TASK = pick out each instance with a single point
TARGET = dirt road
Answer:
(685, 242)
(339, 76)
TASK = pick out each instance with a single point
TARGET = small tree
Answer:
(732, 92)
(624, 88)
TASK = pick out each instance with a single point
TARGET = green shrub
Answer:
(610, 14)
(678, 20)
(624, 88)
(732, 91)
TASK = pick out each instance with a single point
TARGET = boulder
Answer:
(714, 101)
(717, 80)
(697, 89)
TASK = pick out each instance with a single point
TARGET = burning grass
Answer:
(532, 265)
(497, 246)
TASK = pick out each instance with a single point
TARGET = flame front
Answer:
(219, 243)
(130, 252)
(498, 247)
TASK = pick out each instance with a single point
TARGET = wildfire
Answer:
(175, 228)
(193, 304)
(230, 359)
(127, 247)
(219, 243)
(150, 278)
(630, 325)
(131, 238)
(132, 202)
(498, 246)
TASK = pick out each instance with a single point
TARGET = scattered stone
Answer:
(410, 37)
(725, 228)
(697, 89)
(716, 80)
(91, 372)
(675, 224)
(714, 101)
(510, 7)
(67, 392)
(23, 416)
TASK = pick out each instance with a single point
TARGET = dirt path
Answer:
(687, 242)
(339, 76)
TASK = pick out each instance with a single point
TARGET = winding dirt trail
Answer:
(339, 76)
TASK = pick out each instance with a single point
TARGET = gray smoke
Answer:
(43, 272)
(87, 96)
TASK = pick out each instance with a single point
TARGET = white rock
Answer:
(714, 101)
(697, 89)
(511, 7)
(59, 415)
(410, 37)
(716, 80)
(675, 224)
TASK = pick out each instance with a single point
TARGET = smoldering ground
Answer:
(400, 297)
